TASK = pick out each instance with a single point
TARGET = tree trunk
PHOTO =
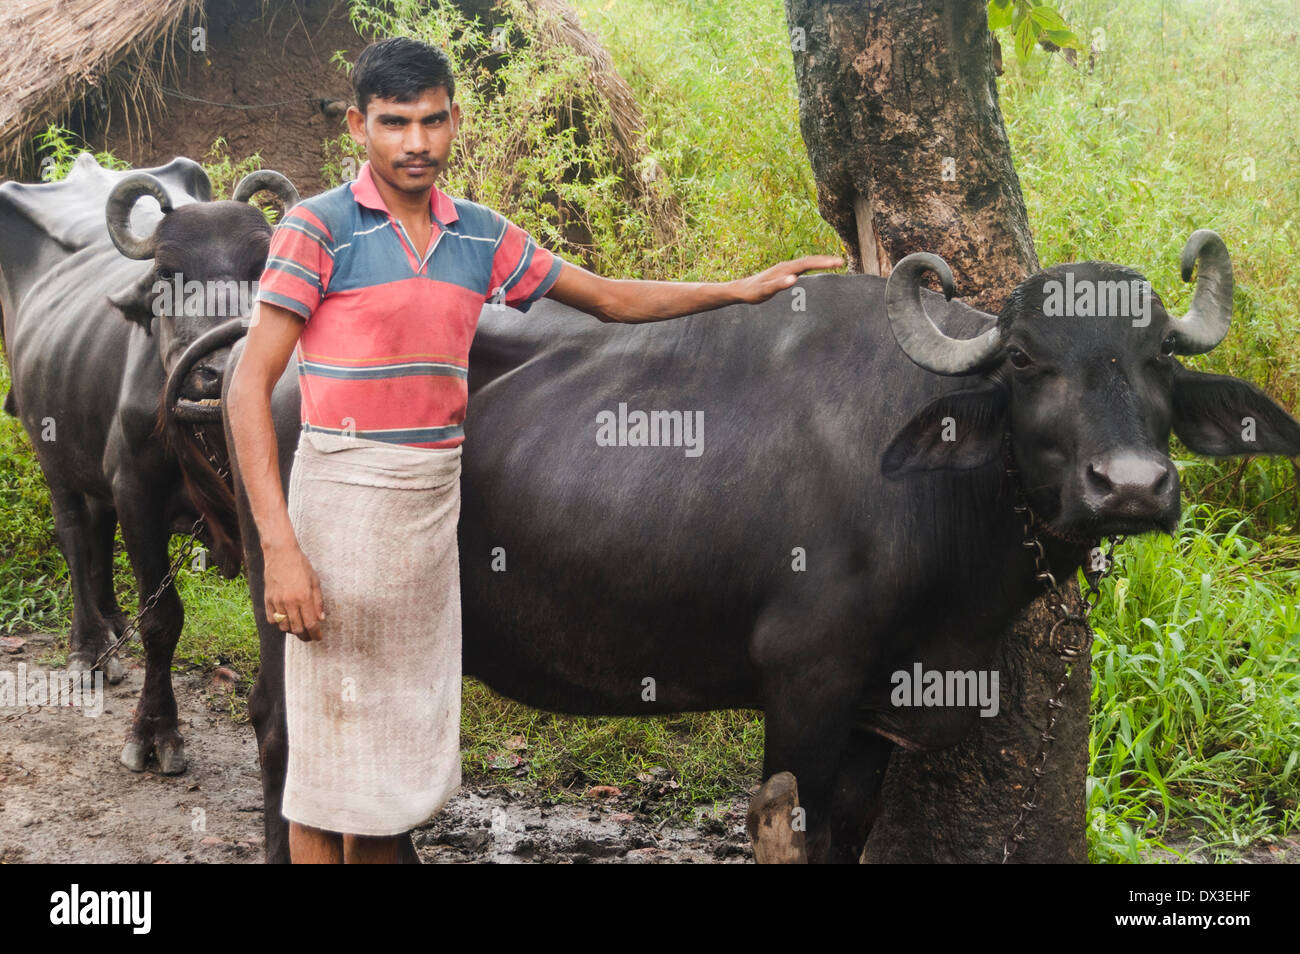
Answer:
(898, 107)
(899, 112)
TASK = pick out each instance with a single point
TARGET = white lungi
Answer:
(374, 707)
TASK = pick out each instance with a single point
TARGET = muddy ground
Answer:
(64, 797)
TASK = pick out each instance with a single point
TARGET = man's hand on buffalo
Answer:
(631, 301)
(292, 592)
(759, 288)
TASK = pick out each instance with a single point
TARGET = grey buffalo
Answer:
(105, 279)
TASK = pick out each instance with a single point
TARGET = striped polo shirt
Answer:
(384, 352)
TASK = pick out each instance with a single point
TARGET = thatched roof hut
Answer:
(54, 51)
(152, 79)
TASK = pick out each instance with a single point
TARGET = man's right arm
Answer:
(291, 586)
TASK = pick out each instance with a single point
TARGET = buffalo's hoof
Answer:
(171, 756)
(114, 671)
(166, 745)
(134, 755)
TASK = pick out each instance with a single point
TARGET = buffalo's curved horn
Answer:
(917, 334)
(118, 212)
(272, 181)
(1208, 320)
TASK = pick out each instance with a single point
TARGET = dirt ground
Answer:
(67, 800)
(259, 84)
(64, 798)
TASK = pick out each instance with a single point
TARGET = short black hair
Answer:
(400, 69)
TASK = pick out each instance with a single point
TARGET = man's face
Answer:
(407, 143)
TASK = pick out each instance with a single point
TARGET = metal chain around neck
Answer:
(1070, 637)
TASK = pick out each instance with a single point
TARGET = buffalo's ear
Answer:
(961, 430)
(135, 300)
(1221, 416)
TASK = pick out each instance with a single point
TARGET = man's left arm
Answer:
(633, 301)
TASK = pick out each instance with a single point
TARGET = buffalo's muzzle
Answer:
(1129, 486)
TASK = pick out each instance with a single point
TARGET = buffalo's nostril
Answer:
(1097, 479)
(1128, 484)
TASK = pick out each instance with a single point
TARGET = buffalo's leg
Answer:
(145, 532)
(855, 798)
(266, 701)
(103, 521)
(79, 523)
(266, 708)
(407, 854)
(806, 735)
(811, 697)
(777, 834)
(811, 688)
(840, 780)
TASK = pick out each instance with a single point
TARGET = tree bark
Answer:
(899, 112)
(898, 106)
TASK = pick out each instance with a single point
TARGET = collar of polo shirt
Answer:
(365, 192)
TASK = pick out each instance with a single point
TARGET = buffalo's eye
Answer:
(1019, 359)
(1167, 346)
(165, 273)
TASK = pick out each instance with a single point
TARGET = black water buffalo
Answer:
(836, 515)
(98, 305)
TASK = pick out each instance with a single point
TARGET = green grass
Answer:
(33, 576)
(1196, 699)
(715, 83)
(747, 204)
(1195, 742)
(1185, 122)
(710, 756)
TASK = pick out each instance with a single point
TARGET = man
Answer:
(377, 286)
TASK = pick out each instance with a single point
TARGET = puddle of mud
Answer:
(509, 828)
